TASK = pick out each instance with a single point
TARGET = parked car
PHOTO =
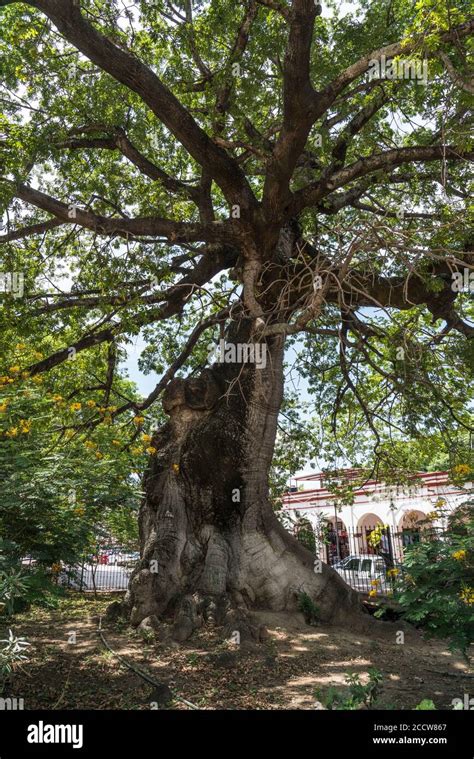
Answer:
(361, 571)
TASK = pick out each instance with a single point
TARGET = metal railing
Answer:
(108, 569)
(369, 560)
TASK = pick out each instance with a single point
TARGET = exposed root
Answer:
(238, 576)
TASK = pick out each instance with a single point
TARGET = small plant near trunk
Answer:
(309, 609)
(358, 696)
(12, 652)
(425, 705)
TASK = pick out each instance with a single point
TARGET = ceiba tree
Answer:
(215, 171)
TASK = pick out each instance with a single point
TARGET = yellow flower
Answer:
(3, 407)
(372, 593)
(138, 420)
(102, 410)
(467, 596)
(20, 346)
(111, 409)
(151, 450)
(37, 355)
(375, 537)
(136, 451)
(80, 511)
(374, 583)
(90, 444)
(440, 502)
(460, 469)
(56, 567)
(459, 555)
(75, 406)
(58, 398)
(432, 515)
(176, 468)
(3, 380)
(12, 432)
(91, 404)
(146, 438)
(99, 455)
(25, 375)
(25, 426)
(14, 369)
(393, 572)
(38, 379)
(116, 442)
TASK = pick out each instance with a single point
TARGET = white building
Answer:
(400, 507)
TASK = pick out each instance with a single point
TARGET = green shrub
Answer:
(436, 591)
(13, 585)
(309, 609)
(425, 705)
(357, 696)
(19, 588)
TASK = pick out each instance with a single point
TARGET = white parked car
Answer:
(361, 571)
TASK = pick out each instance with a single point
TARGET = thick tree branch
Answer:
(172, 230)
(278, 7)
(130, 71)
(119, 141)
(177, 296)
(238, 49)
(468, 86)
(33, 229)
(355, 125)
(173, 298)
(298, 97)
(59, 357)
(314, 193)
(324, 98)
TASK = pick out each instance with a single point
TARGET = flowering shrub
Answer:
(66, 461)
(437, 590)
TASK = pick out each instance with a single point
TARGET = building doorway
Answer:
(337, 546)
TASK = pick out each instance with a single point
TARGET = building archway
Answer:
(337, 545)
(411, 526)
(365, 525)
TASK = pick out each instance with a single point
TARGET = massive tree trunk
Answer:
(211, 546)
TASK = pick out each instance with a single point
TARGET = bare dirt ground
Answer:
(70, 668)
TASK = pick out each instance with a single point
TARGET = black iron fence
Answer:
(369, 559)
